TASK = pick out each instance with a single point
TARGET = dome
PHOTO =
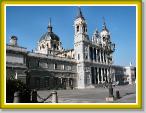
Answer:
(49, 36)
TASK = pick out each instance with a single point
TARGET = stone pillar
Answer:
(108, 75)
(93, 54)
(16, 97)
(54, 97)
(100, 56)
(96, 55)
(106, 58)
(88, 53)
(101, 75)
(103, 57)
(61, 80)
(98, 75)
(67, 83)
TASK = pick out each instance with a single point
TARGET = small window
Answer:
(84, 29)
(77, 28)
(78, 56)
(62, 67)
(86, 57)
(54, 46)
(55, 66)
(73, 56)
(43, 46)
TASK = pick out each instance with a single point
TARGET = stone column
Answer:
(103, 57)
(100, 56)
(88, 53)
(93, 54)
(106, 58)
(61, 80)
(108, 75)
(96, 56)
(98, 75)
(101, 75)
(67, 82)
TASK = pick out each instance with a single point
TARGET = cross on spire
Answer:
(104, 24)
(79, 15)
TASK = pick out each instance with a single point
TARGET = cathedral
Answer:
(50, 66)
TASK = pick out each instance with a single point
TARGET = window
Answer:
(78, 56)
(55, 66)
(86, 56)
(62, 67)
(84, 29)
(43, 46)
(68, 68)
(77, 28)
(54, 46)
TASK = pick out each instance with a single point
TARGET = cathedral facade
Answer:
(50, 66)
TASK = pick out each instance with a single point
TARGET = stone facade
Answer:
(51, 66)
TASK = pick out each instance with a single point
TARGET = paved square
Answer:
(94, 95)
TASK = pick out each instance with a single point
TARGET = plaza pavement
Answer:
(94, 95)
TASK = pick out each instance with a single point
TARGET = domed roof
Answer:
(49, 36)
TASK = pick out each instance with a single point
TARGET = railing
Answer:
(51, 57)
(35, 96)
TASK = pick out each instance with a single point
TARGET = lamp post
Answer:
(27, 72)
(110, 97)
(110, 83)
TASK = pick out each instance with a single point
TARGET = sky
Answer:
(29, 23)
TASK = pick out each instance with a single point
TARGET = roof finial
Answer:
(104, 24)
(49, 26)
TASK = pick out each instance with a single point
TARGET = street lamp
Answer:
(110, 83)
(111, 48)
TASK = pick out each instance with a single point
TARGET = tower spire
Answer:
(80, 15)
(49, 22)
(49, 26)
(104, 24)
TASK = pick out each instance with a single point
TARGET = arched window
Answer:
(43, 46)
(84, 29)
(78, 56)
(77, 28)
(55, 66)
(54, 46)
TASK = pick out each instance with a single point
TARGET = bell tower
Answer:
(80, 27)
(80, 37)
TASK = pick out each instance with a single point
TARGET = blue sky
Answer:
(29, 23)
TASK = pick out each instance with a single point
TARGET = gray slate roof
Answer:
(49, 35)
